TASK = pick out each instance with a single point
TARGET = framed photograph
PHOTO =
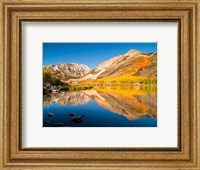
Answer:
(91, 93)
(99, 85)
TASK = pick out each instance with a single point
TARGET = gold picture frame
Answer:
(15, 13)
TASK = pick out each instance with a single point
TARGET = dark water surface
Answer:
(101, 108)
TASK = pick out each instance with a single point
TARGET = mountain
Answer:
(66, 71)
(132, 63)
(128, 64)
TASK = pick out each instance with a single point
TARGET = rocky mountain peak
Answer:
(132, 52)
(65, 71)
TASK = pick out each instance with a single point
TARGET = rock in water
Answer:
(79, 119)
(50, 114)
(72, 114)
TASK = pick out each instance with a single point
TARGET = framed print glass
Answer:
(100, 85)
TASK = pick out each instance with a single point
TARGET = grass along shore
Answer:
(121, 80)
(76, 88)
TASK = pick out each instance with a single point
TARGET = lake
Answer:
(102, 107)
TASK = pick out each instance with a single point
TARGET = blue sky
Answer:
(90, 54)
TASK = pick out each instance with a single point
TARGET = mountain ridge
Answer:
(65, 71)
(132, 63)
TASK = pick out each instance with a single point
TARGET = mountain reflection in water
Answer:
(103, 107)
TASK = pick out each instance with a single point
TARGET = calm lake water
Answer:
(102, 107)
